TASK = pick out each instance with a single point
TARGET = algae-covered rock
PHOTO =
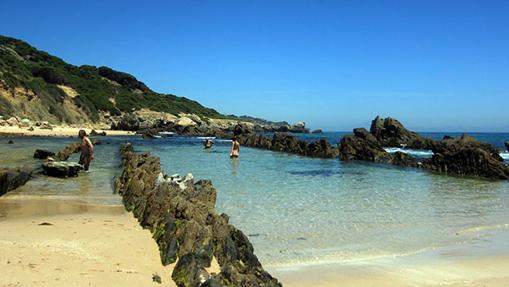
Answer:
(61, 168)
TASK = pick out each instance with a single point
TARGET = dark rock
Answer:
(466, 156)
(188, 272)
(403, 159)
(285, 142)
(181, 216)
(10, 142)
(391, 133)
(362, 146)
(241, 129)
(128, 122)
(321, 148)
(64, 154)
(507, 145)
(61, 168)
(318, 131)
(43, 154)
(156, 278)
(95, 133)
(299, 127)
(11, 178)
(212, 282)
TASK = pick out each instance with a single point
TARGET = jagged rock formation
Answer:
(11, 178)
(181, 215)
(463, 156)
(362, 146)
(391, 133)
(507, 145)
(467, 157)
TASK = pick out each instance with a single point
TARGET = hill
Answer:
(39, 86)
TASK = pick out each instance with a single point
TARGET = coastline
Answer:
(468, 265)
(55, 132)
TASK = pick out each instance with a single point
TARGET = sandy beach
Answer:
(483, 271)
(55, 132)
(58, 243)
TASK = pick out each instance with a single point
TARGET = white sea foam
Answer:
(414, 152)
(505, 155)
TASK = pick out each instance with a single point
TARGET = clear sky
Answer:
(435, 65)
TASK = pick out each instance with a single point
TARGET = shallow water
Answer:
(299, 210)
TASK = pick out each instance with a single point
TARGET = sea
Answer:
(300, 211)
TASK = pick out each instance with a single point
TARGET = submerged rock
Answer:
(11, 178)
(507, 145)
(43, 154)
(61, 168)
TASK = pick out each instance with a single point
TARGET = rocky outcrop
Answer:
(299, 127)
(285, 142)
(65, 153)
(507, 145)
(362, 146)
(391, 133)
(43, 154)
(317, 131)
(181, 215)
(466, 156)
(12, 178)
(128, 122)
(463, 156)
(61, 168)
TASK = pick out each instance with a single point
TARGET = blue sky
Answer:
(435, 65)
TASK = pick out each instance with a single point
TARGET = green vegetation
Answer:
(99, 89)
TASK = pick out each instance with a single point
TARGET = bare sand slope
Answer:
(57, 243)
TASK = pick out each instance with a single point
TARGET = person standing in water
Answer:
(235, 148)
(87, 150)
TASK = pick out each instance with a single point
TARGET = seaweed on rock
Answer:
(181, 215)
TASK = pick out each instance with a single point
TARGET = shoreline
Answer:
(13, 131)
(103, 245)
(473, 264)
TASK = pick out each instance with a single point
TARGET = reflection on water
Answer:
(300, 210)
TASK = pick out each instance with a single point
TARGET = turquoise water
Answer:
(298, 210)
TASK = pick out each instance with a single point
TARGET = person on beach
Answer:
(235, 148)
(87, 150)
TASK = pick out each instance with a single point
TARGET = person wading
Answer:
(235, 148)
(87, 150)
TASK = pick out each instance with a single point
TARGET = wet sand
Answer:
(61, 243)
(448, 267)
